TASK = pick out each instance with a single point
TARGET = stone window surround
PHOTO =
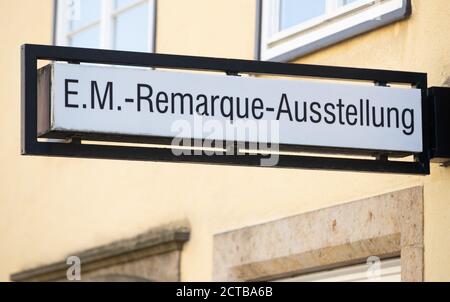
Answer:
(388, 225)
(152, 256)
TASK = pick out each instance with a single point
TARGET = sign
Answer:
(314, 116)
(128, 101)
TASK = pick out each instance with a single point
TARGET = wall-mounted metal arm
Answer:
(439, 100)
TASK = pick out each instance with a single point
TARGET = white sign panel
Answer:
(145, 102)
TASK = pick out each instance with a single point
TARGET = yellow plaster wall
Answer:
(52, 207)
(420, 43)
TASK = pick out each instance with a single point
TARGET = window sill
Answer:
(344, 23)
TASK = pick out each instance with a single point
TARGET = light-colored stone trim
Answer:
(163, 267)
(385, 226)
(154, 255)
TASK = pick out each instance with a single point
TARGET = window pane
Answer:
(89, 38)
(345, 2)
(131, 29)
(122, 3)
(293, 12)
(88, 11)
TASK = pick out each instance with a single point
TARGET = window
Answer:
(385, 235)
(150, 256)
(109, 24)
(291, 28)
(387, 271)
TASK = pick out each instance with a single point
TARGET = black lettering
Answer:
(361, 112)
(330, 114)
(70, 92)
(162, 101)
(368, 112)
(213, 105)
(182, 97)
(297, 114)
(395, 110)
(238, 110)
(228, 114)
(374, 118)
(284, 100)
(409, 126)
(351, 112)
(96, 93)
(316, 112)
(340, 106)
(147, 97)
(257, 104)
(203, 105)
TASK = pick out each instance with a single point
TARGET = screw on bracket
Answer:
(232, 73)
(382, 84)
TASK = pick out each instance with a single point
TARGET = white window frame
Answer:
(337, 24)
(106, 22)
(388, 270)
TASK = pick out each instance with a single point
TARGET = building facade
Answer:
(130, 220)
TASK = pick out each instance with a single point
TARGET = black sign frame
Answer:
(31, 146)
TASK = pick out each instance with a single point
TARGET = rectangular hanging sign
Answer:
(128, 101)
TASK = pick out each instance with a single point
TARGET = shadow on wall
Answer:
(447, 82)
